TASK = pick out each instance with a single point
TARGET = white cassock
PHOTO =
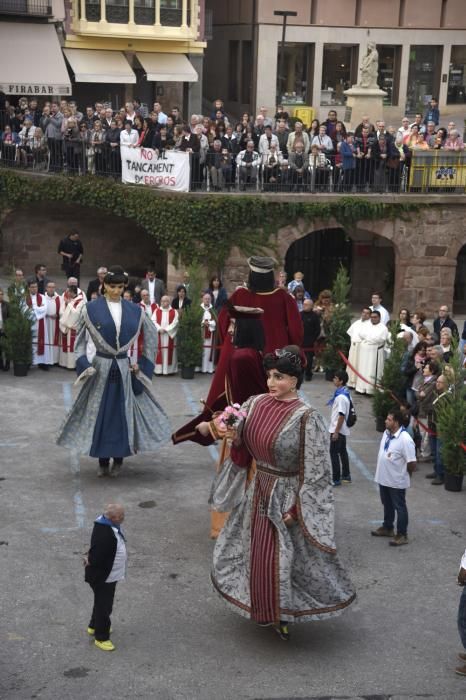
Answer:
(384, 315)
(166, 323)
(371, 355)
(208, 340)
(69, 317)
(42, 353)
(353, 355)
(52, 321)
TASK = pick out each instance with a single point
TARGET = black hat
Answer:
(116, 275)
(261, 264)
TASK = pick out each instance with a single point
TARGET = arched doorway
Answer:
(369, 259)
(318, 256)
(459, 294)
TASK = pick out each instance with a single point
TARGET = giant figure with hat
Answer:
(282, 326)
(115, 414)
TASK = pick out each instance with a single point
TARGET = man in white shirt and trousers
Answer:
(52, 319)
(166, 322)
(353, 355)
(208, 326)
(377, 306)
(338, 429)
(396, 462)
(371, 357)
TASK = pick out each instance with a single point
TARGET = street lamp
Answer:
(281, 69)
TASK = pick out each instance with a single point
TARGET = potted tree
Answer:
(393, 382)
(336, 329)
(451, 423)
(17, 338)
(189, 337)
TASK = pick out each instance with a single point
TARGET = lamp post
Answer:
(281, 69)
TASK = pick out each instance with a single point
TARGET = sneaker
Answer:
(282, 631)
(91, 631)
(431, 475)
(437, 481)
(336, 483)
(461, 670)
(398, 540)
(383, 532)
(105, 646)
(346, 480)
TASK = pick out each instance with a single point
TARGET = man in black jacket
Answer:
(311, 326)
(105, 565)
(444, 321)
(96, 285)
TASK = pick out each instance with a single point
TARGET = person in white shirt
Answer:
(52, 319)
(405, 129)
(338, 429)
(353, 355)
(73, 282)
(322, 141)
(396, 461)
(376, 305)
(129, 137)
(70, 310)
(461, 670)
(161, 116)
(166, 322)
(208, 326)
(267, 140)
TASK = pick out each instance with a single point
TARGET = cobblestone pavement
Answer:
(175, 639)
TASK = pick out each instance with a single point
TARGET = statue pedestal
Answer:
(363, 102)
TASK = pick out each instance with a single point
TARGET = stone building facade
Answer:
(421, 252)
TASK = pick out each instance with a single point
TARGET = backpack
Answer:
(352, 417)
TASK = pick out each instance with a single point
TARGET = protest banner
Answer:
(169, 170)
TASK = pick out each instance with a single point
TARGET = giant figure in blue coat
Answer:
(115, 414)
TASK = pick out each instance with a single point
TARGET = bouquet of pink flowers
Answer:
(231, 416)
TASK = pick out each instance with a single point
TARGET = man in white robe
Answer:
(42, 355)
(374, 337)
(52, 319)
(208, 326)
(72, 302)
(146, 304)
(377, 306)
(73, 282)
(353, 355)
(166, 322)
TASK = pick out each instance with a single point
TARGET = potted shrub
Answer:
(336, 329)
(451, 423)
(17, 338)
(189, 337)
(393, 382)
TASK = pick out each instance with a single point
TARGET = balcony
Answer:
(26, 8)
(145, 19)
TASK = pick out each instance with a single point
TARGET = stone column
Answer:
(317, 82)
(403, 84)
(443, 90)
(194, 90)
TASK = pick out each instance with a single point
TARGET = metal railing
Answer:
(210, 172)
(36, 8)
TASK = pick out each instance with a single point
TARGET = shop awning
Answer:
(172, 67)
(99, 66)
(31, 61)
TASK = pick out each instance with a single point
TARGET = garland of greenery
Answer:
(195, 229)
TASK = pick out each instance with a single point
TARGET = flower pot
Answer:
(380, 424)
(329, 375)
(187, 372)
(20, 370)
(453, 482)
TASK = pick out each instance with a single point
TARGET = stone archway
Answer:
(31, 234)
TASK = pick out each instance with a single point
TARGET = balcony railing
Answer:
(142, 17)
(34, 8)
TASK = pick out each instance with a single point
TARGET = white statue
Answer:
(370, 68)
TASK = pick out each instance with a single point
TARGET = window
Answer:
(292, 74)
(339, 73)
(423, 76)
(389, 72)
(246, 72)
(233, 57)
(457, 76)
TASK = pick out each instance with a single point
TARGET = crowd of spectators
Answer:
(273, 153)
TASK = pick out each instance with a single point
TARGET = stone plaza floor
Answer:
(175, 638)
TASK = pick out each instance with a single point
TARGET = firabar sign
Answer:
(168, 170)
(34, 89)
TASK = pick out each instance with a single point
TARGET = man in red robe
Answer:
(282, 326)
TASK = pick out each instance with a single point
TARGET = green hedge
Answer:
(199, 229)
